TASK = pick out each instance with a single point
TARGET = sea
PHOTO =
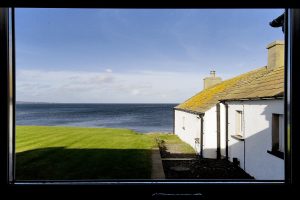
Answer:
(143, 118)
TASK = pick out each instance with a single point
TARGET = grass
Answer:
(182, 148)
(73, 153)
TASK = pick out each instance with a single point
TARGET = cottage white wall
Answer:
(210, 133)
(258, 138)
(235, 147)
(189, 129)
(192, 130)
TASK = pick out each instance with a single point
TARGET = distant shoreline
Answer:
(100, 128)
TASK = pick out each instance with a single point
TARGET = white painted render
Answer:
(210, 133)
(188, 127)
(257, 119)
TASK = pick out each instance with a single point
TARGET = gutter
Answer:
(189, 111)
(253, 98)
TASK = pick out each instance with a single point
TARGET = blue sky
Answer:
(135, 55)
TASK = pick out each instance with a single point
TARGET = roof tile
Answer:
(258, 83)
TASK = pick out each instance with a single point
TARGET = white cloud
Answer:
(108, 70)
(135, 91)
(80, 86)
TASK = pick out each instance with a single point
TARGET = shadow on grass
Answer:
(59, 163)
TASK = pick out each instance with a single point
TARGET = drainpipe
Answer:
(218, 132)
(226, 128)
(174, 121)
(201, 135)
(244, 136)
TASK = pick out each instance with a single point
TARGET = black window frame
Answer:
(206, 187)
(276, 138)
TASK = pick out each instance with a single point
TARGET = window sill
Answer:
(278, 154)
(238, 137)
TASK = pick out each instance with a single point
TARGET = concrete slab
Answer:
(178, 158)
(157, 166)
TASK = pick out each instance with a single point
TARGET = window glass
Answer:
(239, 123)
(99, 90)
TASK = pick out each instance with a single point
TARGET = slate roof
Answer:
(259, 83)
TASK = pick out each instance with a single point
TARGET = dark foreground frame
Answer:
(147, 188)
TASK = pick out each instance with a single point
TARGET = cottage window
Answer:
(277, 133)
(239, 123)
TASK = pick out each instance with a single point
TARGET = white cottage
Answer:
(256, 121)
(240, 119)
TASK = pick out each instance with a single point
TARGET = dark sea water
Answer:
(139, 117)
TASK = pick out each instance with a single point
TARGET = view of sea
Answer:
(138, 117)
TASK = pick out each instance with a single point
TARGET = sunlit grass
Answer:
(64, 153)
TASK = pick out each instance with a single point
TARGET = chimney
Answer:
(211, 80)
(275, 54)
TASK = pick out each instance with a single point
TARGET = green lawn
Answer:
(66, 153)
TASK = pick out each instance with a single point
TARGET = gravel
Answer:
(203, 168)
(196, 168)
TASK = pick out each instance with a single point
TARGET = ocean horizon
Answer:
(140, 117)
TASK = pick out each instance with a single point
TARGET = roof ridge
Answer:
(242, 78)
(243, 74)
(245, 84)
(265, 80)
(225, 81)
